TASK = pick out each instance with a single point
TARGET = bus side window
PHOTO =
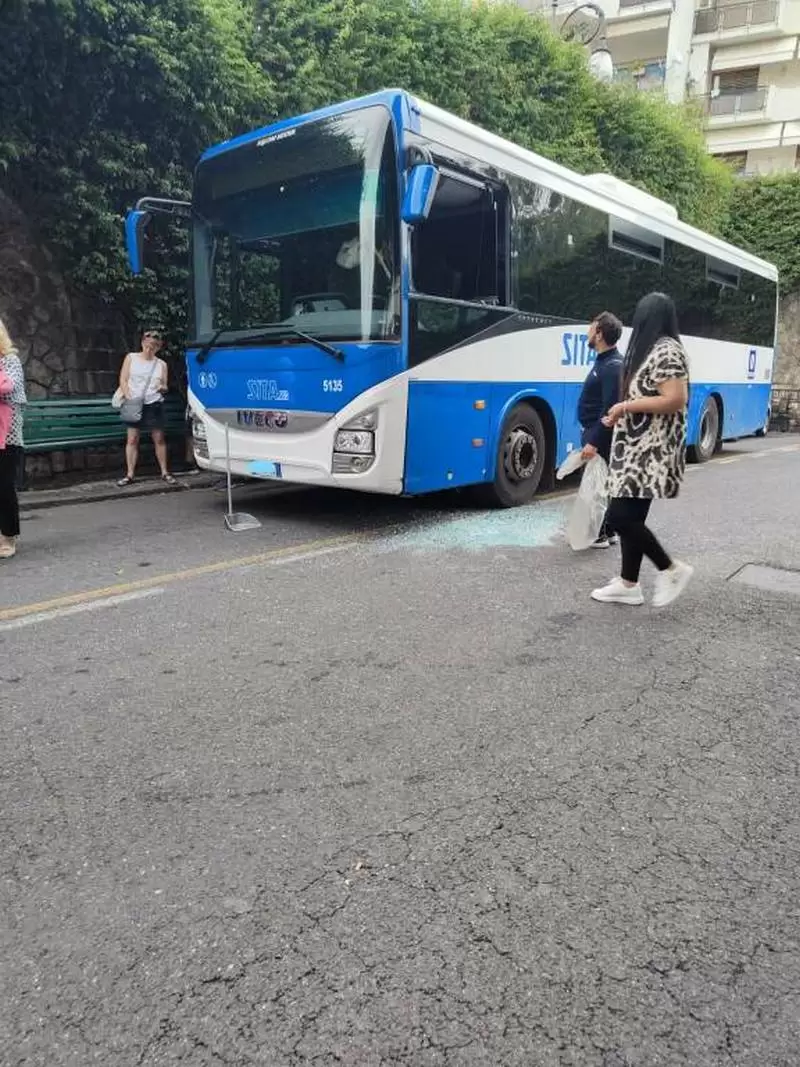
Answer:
(459, 252)
(558, 250)
(718, 300)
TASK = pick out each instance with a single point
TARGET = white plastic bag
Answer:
(572, 463)
(590, 505)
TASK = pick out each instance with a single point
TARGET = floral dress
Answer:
(13, 367)
(648, 452)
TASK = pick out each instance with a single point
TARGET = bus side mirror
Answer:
(421, 185)
(135, 225)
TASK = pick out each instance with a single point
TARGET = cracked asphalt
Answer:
(408, 799)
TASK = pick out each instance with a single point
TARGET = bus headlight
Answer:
(199, 439)
(358, 442)
(354, 444)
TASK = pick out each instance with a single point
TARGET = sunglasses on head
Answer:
(153, 335)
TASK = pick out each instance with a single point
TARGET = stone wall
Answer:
(786, 374)
(69, 345)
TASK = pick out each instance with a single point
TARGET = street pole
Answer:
(601, 64)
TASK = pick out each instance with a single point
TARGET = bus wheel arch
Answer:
(709, 430)
(524, 451)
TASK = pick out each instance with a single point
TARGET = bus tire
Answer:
(765, 428)
(520, 460)
(708, 434)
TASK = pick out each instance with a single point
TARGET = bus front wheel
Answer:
(520, 459)
(708, 435)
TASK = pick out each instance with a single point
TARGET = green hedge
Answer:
(765, 219)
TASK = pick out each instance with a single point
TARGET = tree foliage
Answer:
(514, 77)
(661, 148)
(107, 100)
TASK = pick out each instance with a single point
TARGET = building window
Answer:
(737, 161)
(643, 75)
(736, 81)
(737, 91)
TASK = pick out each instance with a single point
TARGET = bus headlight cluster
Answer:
(199, 439)
(354, 444)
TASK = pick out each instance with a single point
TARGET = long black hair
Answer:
(655, 317)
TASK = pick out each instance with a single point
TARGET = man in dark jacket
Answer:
(601, 390)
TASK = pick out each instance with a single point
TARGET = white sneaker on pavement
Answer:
(617, 592)
(604, 542)
(8, 547)
(670, 584)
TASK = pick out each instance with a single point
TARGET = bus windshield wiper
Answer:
(323, 346)
(264, 333)
(205, 348)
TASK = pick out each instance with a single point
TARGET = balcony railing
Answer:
(737, 102)
(747, 15)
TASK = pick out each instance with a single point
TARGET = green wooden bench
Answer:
(60, 425)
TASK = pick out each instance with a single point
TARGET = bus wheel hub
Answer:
(520, 455)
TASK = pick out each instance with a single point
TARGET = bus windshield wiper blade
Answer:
(205, 348)
(331, 350)
(263, 334)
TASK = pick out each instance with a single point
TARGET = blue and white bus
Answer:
(390, 299)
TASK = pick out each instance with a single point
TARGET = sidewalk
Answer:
(147, 485)
(93, 492)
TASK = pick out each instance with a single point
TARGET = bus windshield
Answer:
(298, 230)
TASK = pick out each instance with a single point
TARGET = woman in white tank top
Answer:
(144, 377)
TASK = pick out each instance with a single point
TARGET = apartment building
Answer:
(739, 58)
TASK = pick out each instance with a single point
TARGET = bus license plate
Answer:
(262, 468)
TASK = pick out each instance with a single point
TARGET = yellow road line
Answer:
(170, 578)
(204, 569)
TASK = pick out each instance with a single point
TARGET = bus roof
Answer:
(390, 98)
(601, 191)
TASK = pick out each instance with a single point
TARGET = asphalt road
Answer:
(378, 784)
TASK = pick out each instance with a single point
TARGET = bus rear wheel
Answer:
(520, 459)
(708, 436)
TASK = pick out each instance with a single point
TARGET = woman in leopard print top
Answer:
(648, 451)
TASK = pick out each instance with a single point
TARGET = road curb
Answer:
(37, 500)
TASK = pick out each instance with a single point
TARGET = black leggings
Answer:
(627, 515)
(9, 505)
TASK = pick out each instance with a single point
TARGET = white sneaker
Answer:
(616, 592)
(670, 584)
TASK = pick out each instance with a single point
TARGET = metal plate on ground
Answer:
(771, 579)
